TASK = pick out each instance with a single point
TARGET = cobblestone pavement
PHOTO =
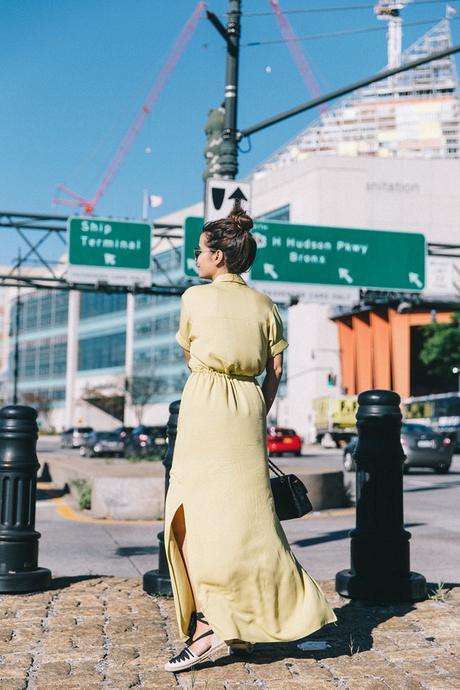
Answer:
(107, 634)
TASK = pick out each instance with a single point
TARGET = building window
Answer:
(166, 323)
(46, 304)
(99, 303)
(143, 359)
(144, 328)
(282, 214)
(28, 362)
(102, 352)
(40, 311)
(61, 307)
(162, 324)
(44, 359)
(145, 300)
(59, 357)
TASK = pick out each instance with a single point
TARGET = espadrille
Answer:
(186, 658)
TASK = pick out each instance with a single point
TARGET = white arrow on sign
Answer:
(269, 270)
(191, 265)
(343, 273)
(414, 278)
(109, 259)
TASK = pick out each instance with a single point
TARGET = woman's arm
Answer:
(186, 357)
(272, 379)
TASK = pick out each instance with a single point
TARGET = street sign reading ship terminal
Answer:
(116, 251)
(221, 196)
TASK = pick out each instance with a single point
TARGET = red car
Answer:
(281, 440)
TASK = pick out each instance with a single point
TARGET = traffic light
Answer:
(213, 129)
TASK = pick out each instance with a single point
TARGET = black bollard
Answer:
(380, 558)
(159, 581)
(18, 485)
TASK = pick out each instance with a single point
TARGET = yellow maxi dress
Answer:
(248, 583)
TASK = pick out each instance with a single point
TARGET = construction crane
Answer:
(88, 205)
(389, 10)
(293, 45)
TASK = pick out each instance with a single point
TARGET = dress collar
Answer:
(229, 278)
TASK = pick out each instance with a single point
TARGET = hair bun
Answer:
(241, 219)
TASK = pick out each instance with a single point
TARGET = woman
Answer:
(233, 574)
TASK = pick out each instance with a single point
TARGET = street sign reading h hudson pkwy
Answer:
(115, 251)
(378, 259)
(291, 256)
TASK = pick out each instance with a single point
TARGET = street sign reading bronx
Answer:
(291, 255)
(115, 251)
(321, 255)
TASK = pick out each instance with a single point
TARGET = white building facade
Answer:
(367, 193)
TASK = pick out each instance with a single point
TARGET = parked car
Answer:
(425, 447)
(146, 440)
(349, 464)
(281, 440)
(75, 436)
(124, 431)
(102, 443)
(422, 446)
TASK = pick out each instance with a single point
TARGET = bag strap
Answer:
(275, 469)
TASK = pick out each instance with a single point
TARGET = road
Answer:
(320, 541)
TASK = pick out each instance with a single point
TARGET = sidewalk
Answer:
(105, 633)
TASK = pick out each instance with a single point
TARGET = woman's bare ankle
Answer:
(201, 628)
(199, 646)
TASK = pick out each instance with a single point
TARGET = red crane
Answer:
(89, 205)
(299, 58)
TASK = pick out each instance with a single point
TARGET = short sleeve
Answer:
(276, 342)
(183, 334)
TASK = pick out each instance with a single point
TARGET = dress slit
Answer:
(182, 590)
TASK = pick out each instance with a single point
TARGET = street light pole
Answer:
(231, 34)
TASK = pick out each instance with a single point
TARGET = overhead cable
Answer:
(335, 34)
(343, 8)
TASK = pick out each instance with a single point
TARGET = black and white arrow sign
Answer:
(221, 196)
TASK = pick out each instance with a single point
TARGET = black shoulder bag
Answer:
(289, 493)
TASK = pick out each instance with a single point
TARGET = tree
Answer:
(42, 403)
(106, 398)
(441, 348)
(141, 390)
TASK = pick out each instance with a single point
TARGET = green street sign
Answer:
(103, 249)
(322, 255)
(192, 231)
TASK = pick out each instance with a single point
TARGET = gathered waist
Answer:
(202, 369)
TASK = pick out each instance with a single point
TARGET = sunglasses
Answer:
(197, 251)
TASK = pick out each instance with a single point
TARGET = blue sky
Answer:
(73, 74)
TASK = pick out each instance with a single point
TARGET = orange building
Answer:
(375, 346)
